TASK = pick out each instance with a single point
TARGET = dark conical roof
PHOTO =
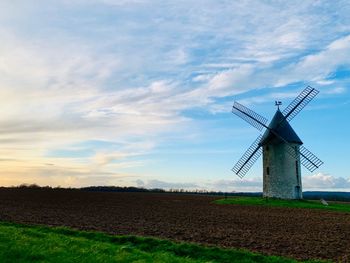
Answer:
(281, 126)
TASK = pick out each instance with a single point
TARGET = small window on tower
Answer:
(268, 170)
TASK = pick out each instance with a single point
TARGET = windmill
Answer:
(281, 148)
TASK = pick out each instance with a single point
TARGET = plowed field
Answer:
(297, 233)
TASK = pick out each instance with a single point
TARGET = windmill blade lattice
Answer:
(309, 160)
(248, 159)
(299, 102)
(249, 116)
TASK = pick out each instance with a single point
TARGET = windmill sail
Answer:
(249, 116)
(299, 102)
(309, 160)
(248, 158)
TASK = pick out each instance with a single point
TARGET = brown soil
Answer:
(297, 233)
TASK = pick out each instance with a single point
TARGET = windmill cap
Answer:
(280, 126)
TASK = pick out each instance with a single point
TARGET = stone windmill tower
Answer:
(281, 148)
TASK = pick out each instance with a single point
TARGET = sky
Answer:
(140, 92)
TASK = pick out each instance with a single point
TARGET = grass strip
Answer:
(307, 204)
(26, 243)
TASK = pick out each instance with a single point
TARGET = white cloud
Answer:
(225, 185)
(153, 183)
(252, 76)
(269, 97)
(253, 184)
(319, 181)
(317, 67)
(325, 181)
(336, 90)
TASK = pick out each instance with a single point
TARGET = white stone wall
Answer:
(282, 176)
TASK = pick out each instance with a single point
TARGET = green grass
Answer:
(22, 243)
(309, 204)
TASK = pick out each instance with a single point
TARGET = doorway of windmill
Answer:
(297, 192)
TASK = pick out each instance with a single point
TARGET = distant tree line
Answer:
(125, 189)
(152, 190)
(120, 189)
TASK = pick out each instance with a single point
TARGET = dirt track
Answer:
(297, 233)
